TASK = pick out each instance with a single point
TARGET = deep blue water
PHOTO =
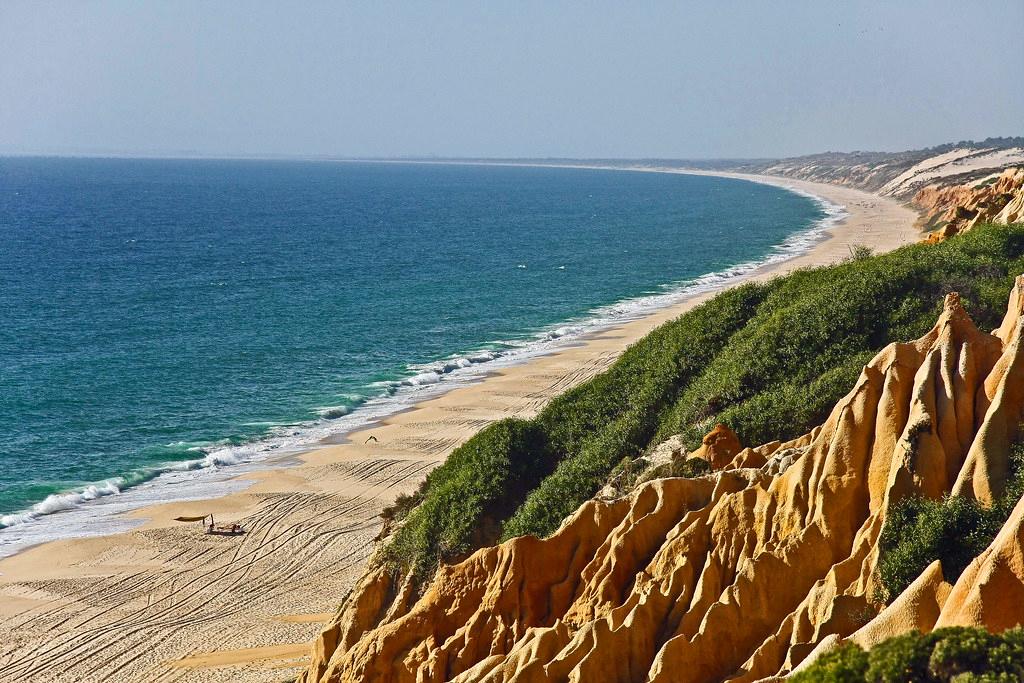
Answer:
(162, 311)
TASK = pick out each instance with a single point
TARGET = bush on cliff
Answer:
(770, 360)
(782, 370)
(963, 655)
(481, 481)
(954, 530)
(846, 664)
(613, 413)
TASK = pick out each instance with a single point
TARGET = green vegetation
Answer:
(846, 664)
(770, 360)
(685, 468)
(481, 482)
(955, 530)
(630, 473)
(960, 655)
(860, 251)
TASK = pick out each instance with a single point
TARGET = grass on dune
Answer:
(770, 360)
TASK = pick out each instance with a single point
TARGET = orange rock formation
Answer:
(740, 575)
(955, 208)
(719, 447)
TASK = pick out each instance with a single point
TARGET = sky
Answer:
(712, 79)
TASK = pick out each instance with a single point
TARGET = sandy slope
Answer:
(167, 603)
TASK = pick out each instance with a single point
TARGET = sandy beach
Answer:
(166, 602)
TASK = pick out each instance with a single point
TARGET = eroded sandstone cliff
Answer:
(951, 210)
(739, 575)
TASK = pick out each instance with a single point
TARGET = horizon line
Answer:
(403, 158)
(287, 156)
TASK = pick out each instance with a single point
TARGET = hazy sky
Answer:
(622, 79)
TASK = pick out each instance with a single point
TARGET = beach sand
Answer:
(166, 602)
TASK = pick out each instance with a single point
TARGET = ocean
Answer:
(168, 324)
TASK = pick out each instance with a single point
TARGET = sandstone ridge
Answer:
(740, 575)
(951, 210)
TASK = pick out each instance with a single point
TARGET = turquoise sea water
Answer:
(168, 320)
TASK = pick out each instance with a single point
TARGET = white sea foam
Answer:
(97, 509)
(57, 502)
(423, 379)
(333, 412)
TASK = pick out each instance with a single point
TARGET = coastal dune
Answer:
(166, 602)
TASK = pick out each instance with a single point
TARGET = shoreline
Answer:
(171, 592)
(106, 507)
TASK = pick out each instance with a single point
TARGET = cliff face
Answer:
(955, 186)
(952, 210)
(900, 174)
(739, 575)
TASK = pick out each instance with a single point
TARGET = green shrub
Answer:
(945, 655)
(601, 421)
(919, 531)
(775, 410)
(846, 664)
(689, 468)
(901, 659)
(629, 473)
(955, 530)
(860, 251)
(1008, 653)
(963, 652)
(403, 505)
(816, 326)
(770, 360)
(683, 468)
(464, 500)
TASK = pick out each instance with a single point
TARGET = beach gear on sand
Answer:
(212, 527)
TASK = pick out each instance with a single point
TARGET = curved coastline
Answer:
(314, 522)
(98, 508)
(146, 600)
